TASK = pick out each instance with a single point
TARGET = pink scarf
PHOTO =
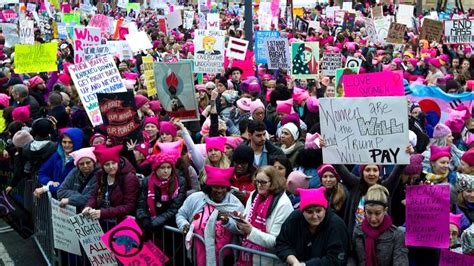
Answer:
(155, 181)
(371, 234)
(257, 218)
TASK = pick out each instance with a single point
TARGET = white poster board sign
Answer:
(213, 21)
(278, 53)
(63, 231)
(174, 20)
(208, 51)
(138, 41)
(188, 19)
(27, 35)
(237, 48)
(331, 62)
(368, 130)
(459, 31)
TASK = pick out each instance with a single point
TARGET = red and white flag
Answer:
(237, 48)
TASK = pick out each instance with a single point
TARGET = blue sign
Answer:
(260, 48)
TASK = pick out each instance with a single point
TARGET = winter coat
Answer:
(123, 194)
(167, 210)
(329, 245)
(272, 151)
(77, 188)
(36, 153)
(390, 247)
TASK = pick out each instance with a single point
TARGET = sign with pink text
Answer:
(374, 84)
(125, 241)
(83, 37)
(427, 212)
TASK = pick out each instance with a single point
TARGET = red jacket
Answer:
(244, 184)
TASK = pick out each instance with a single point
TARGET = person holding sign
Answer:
(377, 241)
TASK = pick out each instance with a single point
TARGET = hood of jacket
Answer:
(76, 135)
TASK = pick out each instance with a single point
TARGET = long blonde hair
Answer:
(338, 197)
(224, 162)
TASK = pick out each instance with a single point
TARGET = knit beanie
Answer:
(311, 141)
(233, 142)
(468, 157)
(167, 127)
(254, 105)
(441, 131)
(245, 104)
(42, 128)
(217, 143)
(21, 138)
(438, 152)
(415, 167)
(295, 180)
(464, 182)
(83, 153)
(315, 196)
(155, 106)
(312, 103)
(456, 125)
(105, 154)
(4, 100)
(21, 113)
(293, 129)
(456, 220)
(243, 153)
(159, 159)
(150, 120)
(291, 118)
(284, 106)
(328, 168)
(140, 100)
(218, 176)
(174, 148)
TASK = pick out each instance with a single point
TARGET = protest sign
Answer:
(349, 21)
(374, 84)
(369, 130)
(405, 14)
(133, 10)
(140, 252)
(331, 62)
(84, 36)
(27, 35)
(149, 78)
(100, 21)
(9, 15)
(305, 60)
(45, 26)
(31, 7)
(278, 53)
(353, 62)
(301, 25)
(237, 48)
(212, 21)
(339, 17)
(371, 30)
(174, 20)
(122, 3)
(340, 73)
(458, 31)
(99, 75)
(260, 44)
(188, 19)
(91, 52)
(377, 11)
(208, 51)
(347, 6)
(71, 17)
(175, 84)
(119, 115)
(396, 32)
(331, 10)
(427, 215)
(36, 58)
(138, 41)
(65, 30)
(316, 25)
(10, 31)
(449, 258)
(432, 30)
(382, 25)
(88, 231)
(64, 236)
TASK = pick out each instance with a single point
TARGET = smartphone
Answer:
(237, 218)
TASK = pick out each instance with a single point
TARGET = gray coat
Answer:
(390, 247)
(73, 182)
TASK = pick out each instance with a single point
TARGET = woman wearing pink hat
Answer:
(207, 213)
(335, 190)
(455, 232)
(438, 171)
(313, 234)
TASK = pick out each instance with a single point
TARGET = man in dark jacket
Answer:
(262, 148)
(57, 110)
(22, 98)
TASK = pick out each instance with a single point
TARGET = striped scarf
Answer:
(435, 178)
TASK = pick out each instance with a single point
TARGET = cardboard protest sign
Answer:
(126, 242)
(340, 73)
(396, 32)
(84, 36)
(382, 25)
(36, 58)
(100, 21)
(174, 19)
(405, 14)
(10, 31)
(99, 75)
(449, 258)
(149, 76)
(278, 53)
(369, 130)
(212, 21)
(331, 62)
(175, 84)
(374, 84)
(237, 48)
(138, 41)
(27, 35)
(188, 19)
(208, 51)
(432, 30)
(301, 25)
(71, 17)
(459, 31)
(427, 215)
(305, 60)
(353, 62)
(371, 30)
(63, 232)
(119, 115)
(88, 231)
(260, 44)
(91, 52)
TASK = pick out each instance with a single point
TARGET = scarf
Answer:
(435, 178)
(210, 230)
(257, 217)
(371, 234)
(288, 150)
(155, 181)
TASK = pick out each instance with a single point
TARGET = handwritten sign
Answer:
(188, 19)
(260, 44)
(448, 258)
(374, 84)
(212, 21)
(432, 30)
(149, 76)
(405, 14)
(459, 31)
(125, 241)
(120, 49)
(100, 21)
(174, 20)
(208, 51)
(36, 58)
(63, 232)
(371, 30)
(84, 36)
(330, 63)
(377, 11)
(27, 35)
(11, 34)
(396, 32)
(138, 41)
(91, 52)
(99, 75)
(427, 216)
(89, 232)
(382, 25)
(278, 53)
(370, 130)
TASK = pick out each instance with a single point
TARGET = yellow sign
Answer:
(149, 76)
(36, 58)
(298, 11)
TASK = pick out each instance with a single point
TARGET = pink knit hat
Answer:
(254, 105)
(151, 120)
(218, 176)
(21, 138)
(159, 159)
(300, 95)
(105, 154)
(83, 153)
(441, 131)
(140, 100)
(456, 114)
(455, 219)
(310, 142)
(175, 148)
(313, 104)
(415, 167)
(64, 79)
(435, 62)
(462, 107)
(155, 106)
(217, 143)
(34, 81)
(438, 152)
(456, 125)
(200, 87)
(21, 113)
(468, 157)
(234, 142)
(313, 196)
(4, 100)
(168, 128)
(284, 106)
(295, 180)
(328, 168)
(244, 103)
(413, 61)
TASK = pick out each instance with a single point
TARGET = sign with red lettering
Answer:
(84, 36)
(237, 48)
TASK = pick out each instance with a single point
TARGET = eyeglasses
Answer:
(261, 182)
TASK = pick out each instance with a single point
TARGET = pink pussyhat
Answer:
(300, 95)
(285, 106)
(175, 148)
(311, 141)
(297, 180)
(218, 176)
(315, 196)
(456, 220)
(217, 143)
(254, 105)
(83, 153)
(438, 152)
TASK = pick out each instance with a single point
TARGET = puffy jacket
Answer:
(76, 189)
(36, 153)
(123, 195)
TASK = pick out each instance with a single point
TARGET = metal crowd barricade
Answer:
(175, 257)
(250, 252)
(43, 227)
